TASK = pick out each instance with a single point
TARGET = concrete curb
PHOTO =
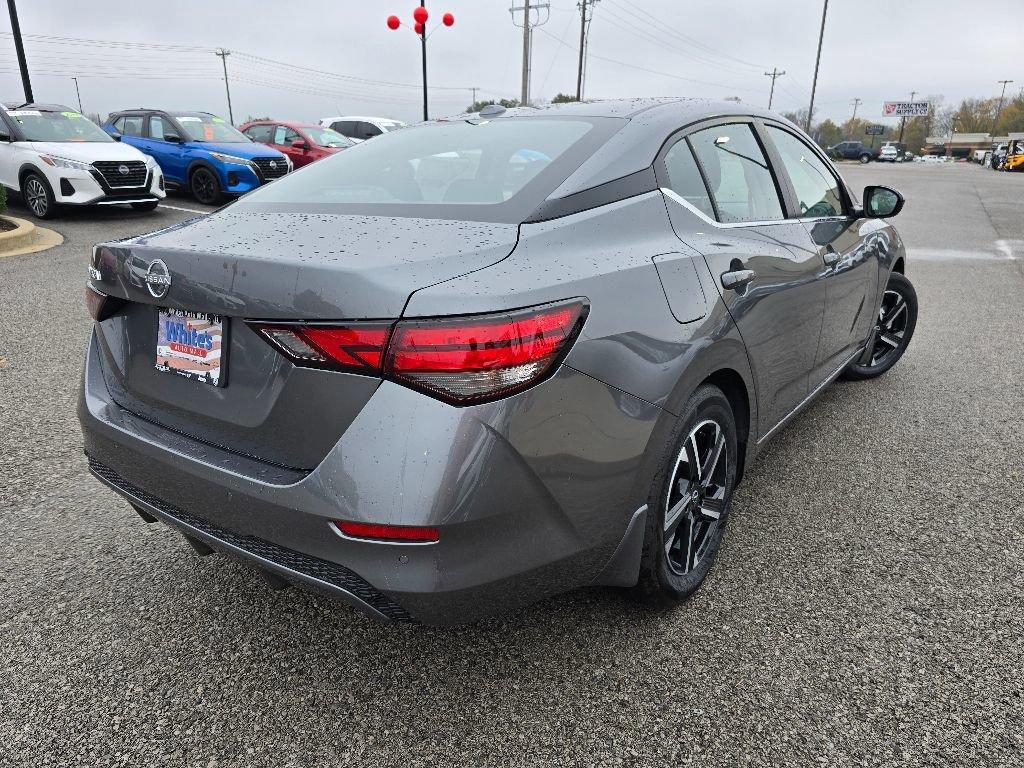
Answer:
(26, 237)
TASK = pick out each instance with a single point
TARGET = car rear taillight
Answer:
(469, 359)
(100, 305)
(355, 348)
(461, 360)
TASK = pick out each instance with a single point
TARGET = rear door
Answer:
(847, 263)
(724, 201)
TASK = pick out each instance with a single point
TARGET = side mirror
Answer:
(115, 136)
(172, 138)
(299, 144)
(882, 202)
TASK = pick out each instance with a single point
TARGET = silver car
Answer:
(488, 359)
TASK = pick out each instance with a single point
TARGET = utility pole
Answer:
(999, 109)
(856, 103)
(583, 43)
(78, 93)
(817, 63)
(774, 75)
(903, 122)
(19, 46)
(527, 8)
(474, 90)
(224, 53)
(423, 49)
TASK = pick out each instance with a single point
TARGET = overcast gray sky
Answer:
(638, 47)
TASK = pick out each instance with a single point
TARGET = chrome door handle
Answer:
(737, 279)
(830, 257)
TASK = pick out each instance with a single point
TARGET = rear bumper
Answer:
(531, 494)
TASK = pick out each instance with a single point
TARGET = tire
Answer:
(678, 557)
(897, 319)
(150, 206)
(38, 196)
(865, 158)
(205, 186)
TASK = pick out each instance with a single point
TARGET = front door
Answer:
(170, 155)
(282, 141)
(848, 264)
(760, 262)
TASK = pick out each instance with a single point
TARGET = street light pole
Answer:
(78, 93)
(19, 47)
(817, 63)
(423, 47)
(224, 53)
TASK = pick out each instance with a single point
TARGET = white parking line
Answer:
(179, 208)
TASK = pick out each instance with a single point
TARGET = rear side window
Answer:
(260, 133)
(817, 189)
(685, 180)
(738, 174)
(132, 125)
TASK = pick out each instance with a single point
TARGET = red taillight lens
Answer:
(356, 348)
(460, 360)
(470, 359)
(100, 305)
(404, 533)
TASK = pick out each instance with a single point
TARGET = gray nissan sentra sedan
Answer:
(479, 361)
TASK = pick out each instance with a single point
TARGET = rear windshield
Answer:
(482, 170)
(211, 128)
(58, 126)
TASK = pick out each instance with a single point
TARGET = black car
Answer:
(852, 150)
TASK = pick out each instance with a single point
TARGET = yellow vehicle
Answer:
(1014, 155)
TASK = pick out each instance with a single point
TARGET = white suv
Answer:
(55, 156)
(360, 128)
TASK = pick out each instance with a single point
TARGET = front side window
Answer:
(738, 174)
(685, 180)
(211, 128)
(368, 130)
(817, 189)
(345, 128)
(283, 136)
(38, 125)
(157, 128)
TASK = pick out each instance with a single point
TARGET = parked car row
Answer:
(54, 156)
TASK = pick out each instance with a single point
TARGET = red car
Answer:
(302, 142)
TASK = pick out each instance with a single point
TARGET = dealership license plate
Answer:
(190, 344)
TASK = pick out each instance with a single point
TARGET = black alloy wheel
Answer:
(897, 319)
(690, 499)
(205, 186)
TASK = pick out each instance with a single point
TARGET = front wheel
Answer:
(865, 159)
(897, 319)
(205, 186)
(690, 497)
(38, 197)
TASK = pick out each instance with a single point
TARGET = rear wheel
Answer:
(897, 319)
(38, 196)
(690, 498)
(205, 187)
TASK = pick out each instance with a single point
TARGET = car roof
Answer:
(286, 123)
(367, 119)
(39, 107)
(647, 124)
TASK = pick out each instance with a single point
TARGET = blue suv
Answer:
(199, 152)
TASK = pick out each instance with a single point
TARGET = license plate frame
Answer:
(192, 345)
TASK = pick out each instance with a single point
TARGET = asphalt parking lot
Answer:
(867, 607)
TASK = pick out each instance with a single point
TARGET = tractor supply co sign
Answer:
(905, 109)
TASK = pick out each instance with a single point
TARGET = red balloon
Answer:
(448, 19)
(421, 15)
(419, 28)
(394, 22)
